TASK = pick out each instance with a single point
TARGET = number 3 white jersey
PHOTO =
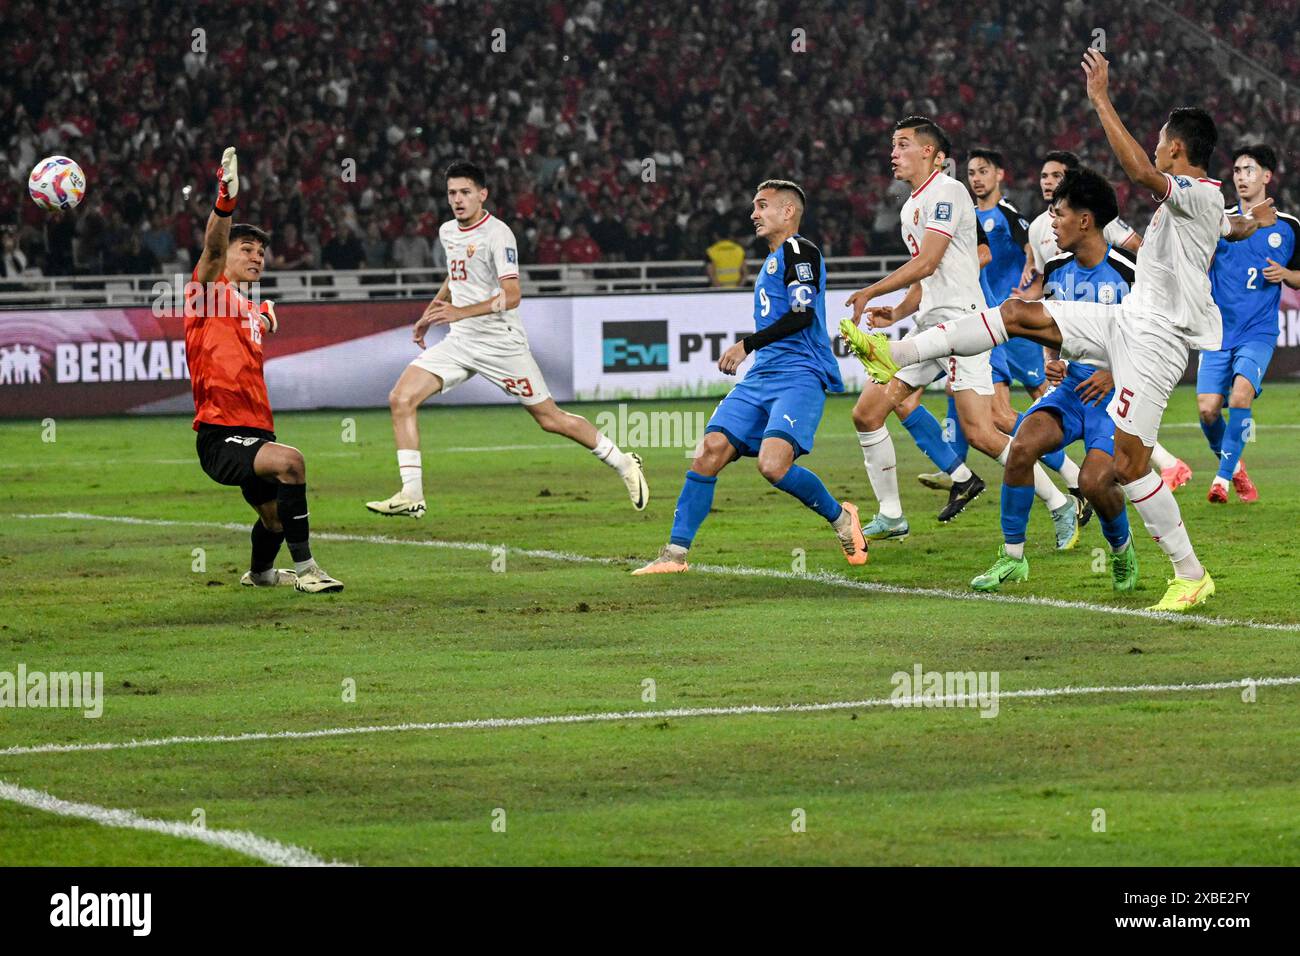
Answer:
(942, 205)
(1172, 281)
(478, 258)
(1042, 239)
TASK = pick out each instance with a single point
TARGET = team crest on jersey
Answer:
(803, 271)
(1275, 239)
(771, 266)
(988, 225)
(943, 211)
(916, 215)
(469, 250)
(1106, 293)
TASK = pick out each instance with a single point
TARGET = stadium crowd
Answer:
(612, 130)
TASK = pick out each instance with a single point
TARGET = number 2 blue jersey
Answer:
(1107, 283)
(793, 277)
(1006, 232)
(1248, 302)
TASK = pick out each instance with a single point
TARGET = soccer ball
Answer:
(56, 182)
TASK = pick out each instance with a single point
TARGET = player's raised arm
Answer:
(1137, 165)
(216, 238)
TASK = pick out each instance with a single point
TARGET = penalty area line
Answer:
(238, 841)
(828, 578)
(499, 723)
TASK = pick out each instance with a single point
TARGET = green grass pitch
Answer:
(446, 634)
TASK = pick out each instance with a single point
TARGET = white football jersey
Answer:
(478, 258)
(1042, 240)
(943, 205)
(1172, 284)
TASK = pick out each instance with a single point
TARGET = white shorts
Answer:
(1146, 358)
(965, 372)
(515, 373)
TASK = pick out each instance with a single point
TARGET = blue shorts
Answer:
(784, 406)
(998, 362)
(1024, 362)
(1216, 371)
(1092, 423)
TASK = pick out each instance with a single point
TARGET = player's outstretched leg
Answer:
(1146, 490)
(557, 421)
(267, 536)
(776, 464)
(413, 386)
(693, 504)
(1097, 481)
(285, 466)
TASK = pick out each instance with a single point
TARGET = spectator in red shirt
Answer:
(580, 247)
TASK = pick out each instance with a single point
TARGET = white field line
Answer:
(500, 723)
(828, 578)
(96, 462)
(240, 841)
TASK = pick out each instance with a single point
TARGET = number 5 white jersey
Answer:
(942, 205)
(478, 258)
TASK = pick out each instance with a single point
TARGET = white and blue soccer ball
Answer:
(56, 182)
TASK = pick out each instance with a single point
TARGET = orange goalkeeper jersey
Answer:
(223, 346)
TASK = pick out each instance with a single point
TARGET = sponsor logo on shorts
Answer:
(635, 346)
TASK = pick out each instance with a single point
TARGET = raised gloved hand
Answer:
(227, 182)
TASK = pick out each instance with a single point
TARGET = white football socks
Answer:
(1161, 458)
(1050, 495)
(1159, 511)
(969, 336)
(610, 454)
(961, 473)
(882, 470)
(408, 466)
(1069, 471)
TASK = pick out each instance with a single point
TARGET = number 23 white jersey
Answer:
(478, 258)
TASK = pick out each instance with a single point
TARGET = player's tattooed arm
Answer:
(1137, 165)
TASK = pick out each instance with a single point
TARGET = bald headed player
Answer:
(236, 441)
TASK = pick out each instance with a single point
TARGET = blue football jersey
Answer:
(1107, 282)
(1248, 302)
(794, 277)
(1006, 232)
